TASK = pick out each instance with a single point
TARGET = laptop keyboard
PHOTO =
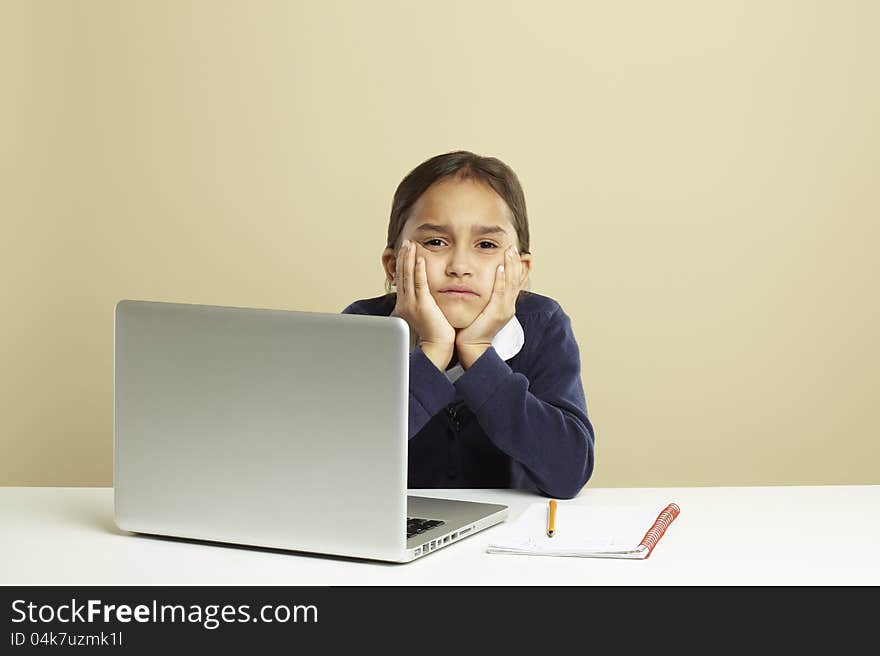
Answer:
(414, 525)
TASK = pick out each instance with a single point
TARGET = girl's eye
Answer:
(492, 246)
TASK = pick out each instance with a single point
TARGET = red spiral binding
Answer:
(658, 528)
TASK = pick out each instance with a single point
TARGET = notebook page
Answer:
(579, 529)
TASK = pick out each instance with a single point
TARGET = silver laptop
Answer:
(272, 428)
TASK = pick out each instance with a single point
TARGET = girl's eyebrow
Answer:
(447, 229)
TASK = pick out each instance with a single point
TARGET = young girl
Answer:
(495, 392)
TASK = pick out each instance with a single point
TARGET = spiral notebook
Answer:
(587, 531)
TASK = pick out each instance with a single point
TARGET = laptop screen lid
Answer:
(274, 428)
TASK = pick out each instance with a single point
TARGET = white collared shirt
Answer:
(507, 342)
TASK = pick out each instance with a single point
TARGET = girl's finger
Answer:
(515, 273)
(500, 281)
(421, 279)
(411, 269)
(406, 272)
(400, 270)
(511, 270)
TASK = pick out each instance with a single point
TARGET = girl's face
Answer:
(461, 228)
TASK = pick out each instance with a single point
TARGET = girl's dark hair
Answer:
(466, 166)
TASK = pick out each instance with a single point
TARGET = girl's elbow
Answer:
(570, 479)
(564, 495)
(563, 492)
(569, 489)
(581, 475)
(572, 490)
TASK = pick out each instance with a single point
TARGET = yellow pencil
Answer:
(551, 519)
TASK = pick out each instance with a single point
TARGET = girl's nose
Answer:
(461, 260)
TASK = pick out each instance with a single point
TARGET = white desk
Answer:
(823, 535)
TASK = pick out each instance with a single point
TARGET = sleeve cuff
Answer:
(427, 384)
(481, 381)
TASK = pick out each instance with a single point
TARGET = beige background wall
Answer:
(701, 178)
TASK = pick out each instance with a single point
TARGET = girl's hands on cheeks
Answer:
(415, 305)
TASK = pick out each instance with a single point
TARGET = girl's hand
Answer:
(415, 305)
(477, 337)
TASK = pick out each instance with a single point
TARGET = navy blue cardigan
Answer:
(516, 424)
